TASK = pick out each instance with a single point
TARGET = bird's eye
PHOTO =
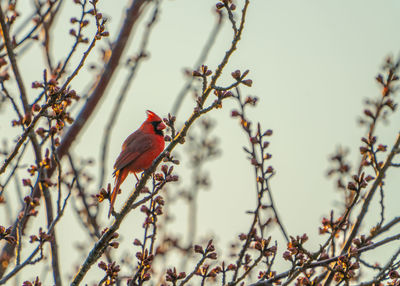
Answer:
(158, 127)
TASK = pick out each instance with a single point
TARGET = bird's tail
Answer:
(120, 176)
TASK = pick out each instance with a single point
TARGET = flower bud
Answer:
(36, 107)
(219, 5)
(236, 74)
(248, 82)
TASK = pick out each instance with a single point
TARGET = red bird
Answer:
(138, 151)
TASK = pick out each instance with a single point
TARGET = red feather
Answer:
(138, 152)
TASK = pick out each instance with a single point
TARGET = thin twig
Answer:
(11, 56)
(384, 228)
(16, 166)
(92, 220)
(326, 262)
(196, 268)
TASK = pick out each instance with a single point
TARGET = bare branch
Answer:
(326, 261)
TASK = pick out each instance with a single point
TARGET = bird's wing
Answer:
(133, 147)
(135, 136)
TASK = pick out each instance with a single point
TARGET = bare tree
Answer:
(46, 124)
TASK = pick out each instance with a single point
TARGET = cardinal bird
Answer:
(138, 152)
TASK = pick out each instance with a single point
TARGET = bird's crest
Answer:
(151, 116)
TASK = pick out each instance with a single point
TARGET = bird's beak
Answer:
(161, 126)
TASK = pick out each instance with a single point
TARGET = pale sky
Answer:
(312, 64)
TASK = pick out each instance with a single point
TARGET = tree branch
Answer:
(325, 262)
